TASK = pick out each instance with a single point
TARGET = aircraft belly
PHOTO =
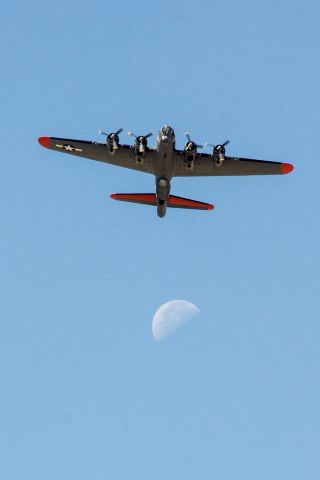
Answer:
(164, 165)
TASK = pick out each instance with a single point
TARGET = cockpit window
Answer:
(166, 130)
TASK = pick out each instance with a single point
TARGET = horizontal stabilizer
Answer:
(146, 198)
(180, 202)
(151, 199)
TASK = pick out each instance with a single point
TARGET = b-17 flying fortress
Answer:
(164, 162)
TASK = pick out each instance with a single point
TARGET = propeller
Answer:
(131, 134)
(141, 140)
(219, 148)
(111, 134)
(190, 144)
(112, 138)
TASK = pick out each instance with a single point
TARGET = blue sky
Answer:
(86, 392)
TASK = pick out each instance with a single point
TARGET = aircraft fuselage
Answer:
(164, 168)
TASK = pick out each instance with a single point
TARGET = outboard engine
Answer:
(112, 139)
(219, 152)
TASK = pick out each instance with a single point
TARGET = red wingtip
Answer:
(210, 207)
(286, 167)
(44, 141)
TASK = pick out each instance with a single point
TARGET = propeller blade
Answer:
(101, 132)
(139, 136)
(187, 134)
(207, 144)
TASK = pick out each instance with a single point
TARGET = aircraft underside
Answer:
(164, 162)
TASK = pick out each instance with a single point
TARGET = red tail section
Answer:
(146, 198)
(151, 199)
(180, 202)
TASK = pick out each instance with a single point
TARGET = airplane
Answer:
(164, 162)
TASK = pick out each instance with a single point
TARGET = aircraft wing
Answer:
(205, 165)
(124, 156)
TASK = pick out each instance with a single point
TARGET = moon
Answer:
(172, 315)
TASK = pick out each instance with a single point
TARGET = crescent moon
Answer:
(172, 315)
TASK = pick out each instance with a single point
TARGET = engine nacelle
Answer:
(219, 153)
(140, 145)
(113, 141)
(190, 147)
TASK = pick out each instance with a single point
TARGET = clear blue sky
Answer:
(85, 390)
